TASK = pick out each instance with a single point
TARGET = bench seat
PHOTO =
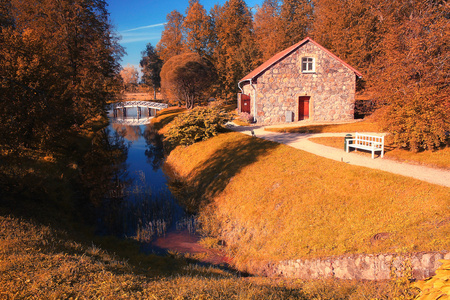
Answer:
(368, 142)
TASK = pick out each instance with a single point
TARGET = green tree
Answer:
(187, 78)
(151, 66)
(172, 40)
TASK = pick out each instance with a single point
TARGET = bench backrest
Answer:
(367, 140)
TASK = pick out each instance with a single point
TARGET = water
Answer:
(141, 205)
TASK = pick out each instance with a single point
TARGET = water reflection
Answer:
(104, 167)
(141, 206)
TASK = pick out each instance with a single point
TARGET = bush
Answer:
(199, 124)
(418, 120)
(438, 286)
(246, 117)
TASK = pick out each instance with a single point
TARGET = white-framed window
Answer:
(308, 65)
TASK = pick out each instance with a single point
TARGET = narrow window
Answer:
(308, 64)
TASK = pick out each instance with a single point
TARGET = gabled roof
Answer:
(280, 55)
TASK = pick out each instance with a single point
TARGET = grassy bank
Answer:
(272, 202)
(46, 252)
(41, 262)
(162, 121)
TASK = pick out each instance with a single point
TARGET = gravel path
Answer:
(300, 141)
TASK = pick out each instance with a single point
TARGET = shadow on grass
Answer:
(166, 116)
(211, 176)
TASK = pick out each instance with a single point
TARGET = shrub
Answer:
(246, 117)
(438, 286)
(418, 120)
(199, 124)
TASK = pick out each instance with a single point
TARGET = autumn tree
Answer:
(186, 78)
(58, 66)
(296, 18)
(351, 29)
(411, 79)
(130, 77)
(233, 26)
(197, 29)
(267, 25)
(172, 40)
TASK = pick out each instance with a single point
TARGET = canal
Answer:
(141, 206)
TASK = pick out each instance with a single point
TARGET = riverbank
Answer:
(269, 202)
(42, 262)
(43, 257)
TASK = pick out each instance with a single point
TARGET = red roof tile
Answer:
(280, 55)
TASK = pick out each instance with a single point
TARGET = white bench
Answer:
(367, 142)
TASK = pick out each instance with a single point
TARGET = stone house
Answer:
(305, 81)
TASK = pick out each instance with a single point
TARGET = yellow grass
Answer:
(39, 262)
(273, 202)
(361, 126)
(439, 158)
(162, 121)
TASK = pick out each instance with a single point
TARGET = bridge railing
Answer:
(147, 104)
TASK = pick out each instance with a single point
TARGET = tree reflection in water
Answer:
(155, 149)
(141, 207)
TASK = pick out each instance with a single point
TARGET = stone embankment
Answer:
(360, 267)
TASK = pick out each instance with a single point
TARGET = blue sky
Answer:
(141, 21)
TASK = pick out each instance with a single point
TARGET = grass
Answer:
(40, 262)
(45, 254)
(439, 158)
(272, 202)
(162, 121)
(362, 126)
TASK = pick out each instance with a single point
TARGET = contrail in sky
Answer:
(144, 27)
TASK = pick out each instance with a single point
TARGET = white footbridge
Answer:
(140, 118)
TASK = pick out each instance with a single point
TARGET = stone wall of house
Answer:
(360, 267)
(331, 88)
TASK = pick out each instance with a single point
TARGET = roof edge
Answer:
(282, 54)
(359, 74)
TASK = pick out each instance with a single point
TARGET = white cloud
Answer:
(144, 27)
(140, 34)
(139, 37)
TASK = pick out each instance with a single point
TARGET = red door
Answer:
(245, 103)
(303, 108)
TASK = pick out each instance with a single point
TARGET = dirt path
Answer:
(300, 141)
